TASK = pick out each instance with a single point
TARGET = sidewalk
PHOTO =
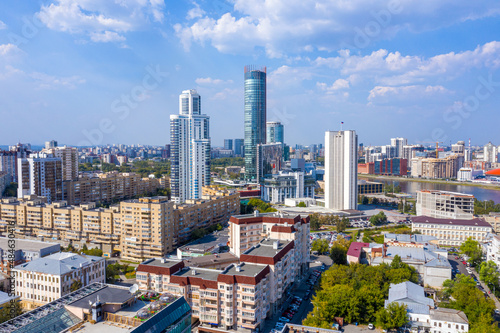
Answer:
(490, 293)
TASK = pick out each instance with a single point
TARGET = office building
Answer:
(423, 315)
(468, 174)
(269, 160)
(69, 160)
(228, 144)
(341, 170)
(287, 185)
(46, 279)
(451, 232)
(40, 174)
(398, 144)
(50, 144)
(443, 204)
(490, 153)
(190, 144)
(239, 147)
(99, 307)
(367, 187)
(275, 132)
(23, 251)
(255, 117)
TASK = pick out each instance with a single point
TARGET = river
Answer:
(411, 187)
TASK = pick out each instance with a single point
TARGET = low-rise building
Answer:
(451, 232)
(278, 187)
(367, 187)
(493, 218)
(46, 279)
(21, 251)
(423, 315)
(493, 250)
(444, 204)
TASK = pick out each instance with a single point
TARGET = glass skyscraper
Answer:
(275, 132)
(255, 117)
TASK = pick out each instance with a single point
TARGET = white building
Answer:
(341, 170)
(398, 144)
(490, 153)
(46, 279)
(422, 313)
(493, 250)
(287, 185)
(443, 204)
(451, 231)
(190, 148)
(468, 174)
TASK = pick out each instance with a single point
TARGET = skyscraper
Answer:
(190, 148)
(399, 143)
(341, 170)
(255, 117)
(275, 132)
(239, 147)
(228, 144)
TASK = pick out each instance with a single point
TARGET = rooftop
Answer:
(355, 249)
(408, 238)
(266, 248)
(412, 295)
(58, 263)
(449, 315)
(207, 243)
(201, 273)
(26, 245)
(431, 220)
(245, 269)
(212, 259)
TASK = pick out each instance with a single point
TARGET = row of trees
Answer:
(378, 219)
(317, 220)
(258, 204)
(144, 167)
(202, 232)
(357, 293)
(485, 207)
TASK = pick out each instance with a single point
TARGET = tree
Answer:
(342, 224)
(378, 219)
(338, 254)
(75, 285)
(314, 221)
(8, 313)
(301, 204)
(472, 249)
(392, 316)
(198, 233)
(488, 273)
(364, 200)
(320, 245)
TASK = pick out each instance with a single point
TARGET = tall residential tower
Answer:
(190, 148)
(341, 170)
(255, 117)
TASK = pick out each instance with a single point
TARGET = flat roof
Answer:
(58, 263)
(265, 248)
(219, 258)
(431, 220)
(25, 244)
(246, 269)
(208, 242)
(108, 294)
(409, 238)
(168, 263)
(201, 273)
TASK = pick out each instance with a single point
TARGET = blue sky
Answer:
(94, 71)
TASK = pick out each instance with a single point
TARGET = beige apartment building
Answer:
(140, 228)
(46, 279)
(444, 204)
(437, 167)
(452, 232)
(69, 160)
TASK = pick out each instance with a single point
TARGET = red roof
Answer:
(494, 172)
(355, 249)
(281, 228)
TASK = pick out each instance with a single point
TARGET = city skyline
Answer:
(83, 63)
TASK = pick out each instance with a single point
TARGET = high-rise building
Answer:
(190, 148)
(399, 143)
(490, 153)
(228, 144)
(40, 174)
(269, 160)
(69, 159)
(239, 147)
(341, 170)
(275, 132)
(50, 144)
(255, 117)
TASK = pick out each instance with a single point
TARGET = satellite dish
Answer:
(134, 288)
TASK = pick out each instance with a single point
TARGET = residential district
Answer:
(254, 236)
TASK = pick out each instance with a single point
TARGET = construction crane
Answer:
(437, 145)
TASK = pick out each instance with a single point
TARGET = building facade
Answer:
(255, 117)
(269, 160)
(40, 174)
(275, 132)
(398, 144)
(46, 279)
(451, 231)
(190, 145)
(69, 160)
(239, 147)
(23, 251)
(443, 204)
(341, 170)
(286, 185)
(228, 144)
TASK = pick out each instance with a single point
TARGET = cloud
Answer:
(210, 81)
(337, 85)
(226, 93)
(106, 36)
(3, 25)
(384, 94)
(102, 21)
(195, 12)
(45, 81)
(283, 26)
(9, 50)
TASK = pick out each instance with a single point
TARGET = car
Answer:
(284, 319)
(370, 326)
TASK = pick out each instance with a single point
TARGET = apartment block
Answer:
(40, 174)
(451, 231)
(69, 160)
(437, 167)
(139, 228)
(443, 204)
(46, 279)
(21, 251)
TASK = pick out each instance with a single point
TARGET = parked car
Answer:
(370, 326)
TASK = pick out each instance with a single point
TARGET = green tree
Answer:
(488, 273)
(364, 201)
(378, 219)
(472, 249)
(342, 224)
(338, 255)
(75, 285)
(198, 233)
(301, 204)
(392, 316)
(320, 245)
(10, 190)
(7, 313)
(314, 221)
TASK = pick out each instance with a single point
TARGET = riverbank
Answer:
(432, 181)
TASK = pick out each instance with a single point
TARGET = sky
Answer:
(88, 72)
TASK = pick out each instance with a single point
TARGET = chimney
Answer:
(238, 268)
(193, 272)
(276, 244)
